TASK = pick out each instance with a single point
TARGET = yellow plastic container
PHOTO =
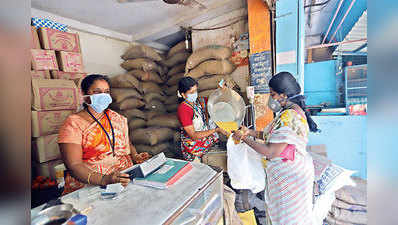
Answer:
(248, 218)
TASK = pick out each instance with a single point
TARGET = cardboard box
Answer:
(35, 38)
(43, 74)
(78, 83)
(48, 122)
(43, 59)
(47, 169)
(66, 76)
(57, 40)
(49, 94)
(46, 148)
(70, 62)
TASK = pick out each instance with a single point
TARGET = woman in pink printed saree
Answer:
(289, 169)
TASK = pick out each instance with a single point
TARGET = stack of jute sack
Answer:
(56, 62)
(162, 122)
(139, 95)
(350, 206)
(176, 60)
(137, 92)
(209, 65)
(339, 198)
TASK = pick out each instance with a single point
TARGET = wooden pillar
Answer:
(260, 42)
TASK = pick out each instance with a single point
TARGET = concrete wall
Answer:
(345, 140)
(101, 54)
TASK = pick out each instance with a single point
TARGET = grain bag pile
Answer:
(147, 97)
(209, 65)
(175, 61)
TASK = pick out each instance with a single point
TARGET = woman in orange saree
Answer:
(95, 142)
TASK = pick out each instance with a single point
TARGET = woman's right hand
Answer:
(142, 157)
(117, 177)
(245, 131)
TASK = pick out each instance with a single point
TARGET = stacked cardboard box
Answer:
(56, 64)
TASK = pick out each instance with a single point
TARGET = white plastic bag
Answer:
(245, 168)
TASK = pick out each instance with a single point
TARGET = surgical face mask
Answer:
(274, 105)
(99, 102)
(192, 97)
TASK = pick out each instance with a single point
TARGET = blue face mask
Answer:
(99, 102)
(192, 97)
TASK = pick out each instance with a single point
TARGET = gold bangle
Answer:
(89, 175)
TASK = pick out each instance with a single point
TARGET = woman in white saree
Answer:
(289, 169)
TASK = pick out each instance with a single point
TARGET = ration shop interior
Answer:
(236, 112)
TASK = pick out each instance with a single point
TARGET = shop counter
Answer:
(197, 198)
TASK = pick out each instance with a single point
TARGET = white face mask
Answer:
(192, 97)
(99, 102)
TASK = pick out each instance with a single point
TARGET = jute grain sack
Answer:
(208, 52)
(168, 120)
(173, 99)
(207, 83)
(151, 136)
(150, 87)
(141, 51)
(206, 93)
(152, 113)
(164, 70)
(172, 108)
(178, 58)
(49, 94)
(155, 105)
(154, 96)
(146, 76)
(180, 47)
(172, 90)
(125, 81)
(120, 94)
(46, 148)
(130, 103)
(154, 150)
(48, 122)
(133, 113)
(136, 124)
(349, 216)
(211, 67)
(141, 64)
(354, 195)
(174, 79)
(176, 69)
